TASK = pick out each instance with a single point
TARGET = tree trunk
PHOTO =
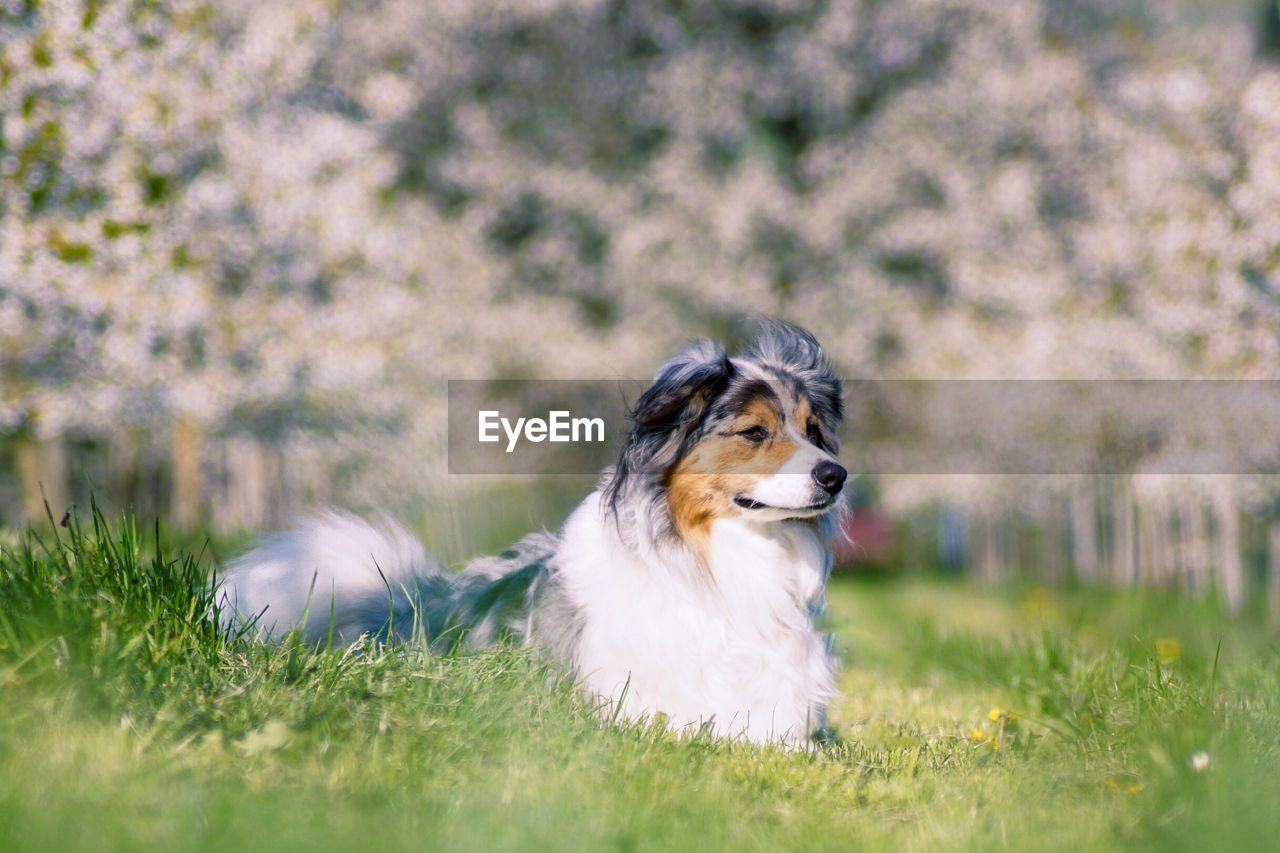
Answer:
(1231, 567)
(42, 476)
(1273, 576)
(1051, 539)
(125, 458)
(1162, 569)
(985, 559)
(1194, 545)
(187, 485)
(1084, 533)
(1123, 570)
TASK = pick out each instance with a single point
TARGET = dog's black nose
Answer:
(830, 476)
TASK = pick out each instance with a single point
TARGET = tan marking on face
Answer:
(803, 416)
(702, 486)
(803, 413)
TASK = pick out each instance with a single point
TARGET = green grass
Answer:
(129, 723)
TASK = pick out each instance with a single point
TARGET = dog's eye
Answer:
(814, 434)
(754, 434)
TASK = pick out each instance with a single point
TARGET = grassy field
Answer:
(970, 719)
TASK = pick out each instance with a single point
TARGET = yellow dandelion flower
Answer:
(984, 740)
(1168, 650)
(1000, 715)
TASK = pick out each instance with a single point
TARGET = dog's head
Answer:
(752, 437)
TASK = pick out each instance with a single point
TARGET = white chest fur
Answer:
(736, 651)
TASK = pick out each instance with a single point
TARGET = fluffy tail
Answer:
(332, 574)
(338, 576)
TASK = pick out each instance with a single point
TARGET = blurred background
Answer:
(243, 245)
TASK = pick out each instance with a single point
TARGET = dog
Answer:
(686, 585)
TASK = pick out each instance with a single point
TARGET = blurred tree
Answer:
(252, 237)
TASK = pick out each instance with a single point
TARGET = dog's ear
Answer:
(667, 413)
(682, 388)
